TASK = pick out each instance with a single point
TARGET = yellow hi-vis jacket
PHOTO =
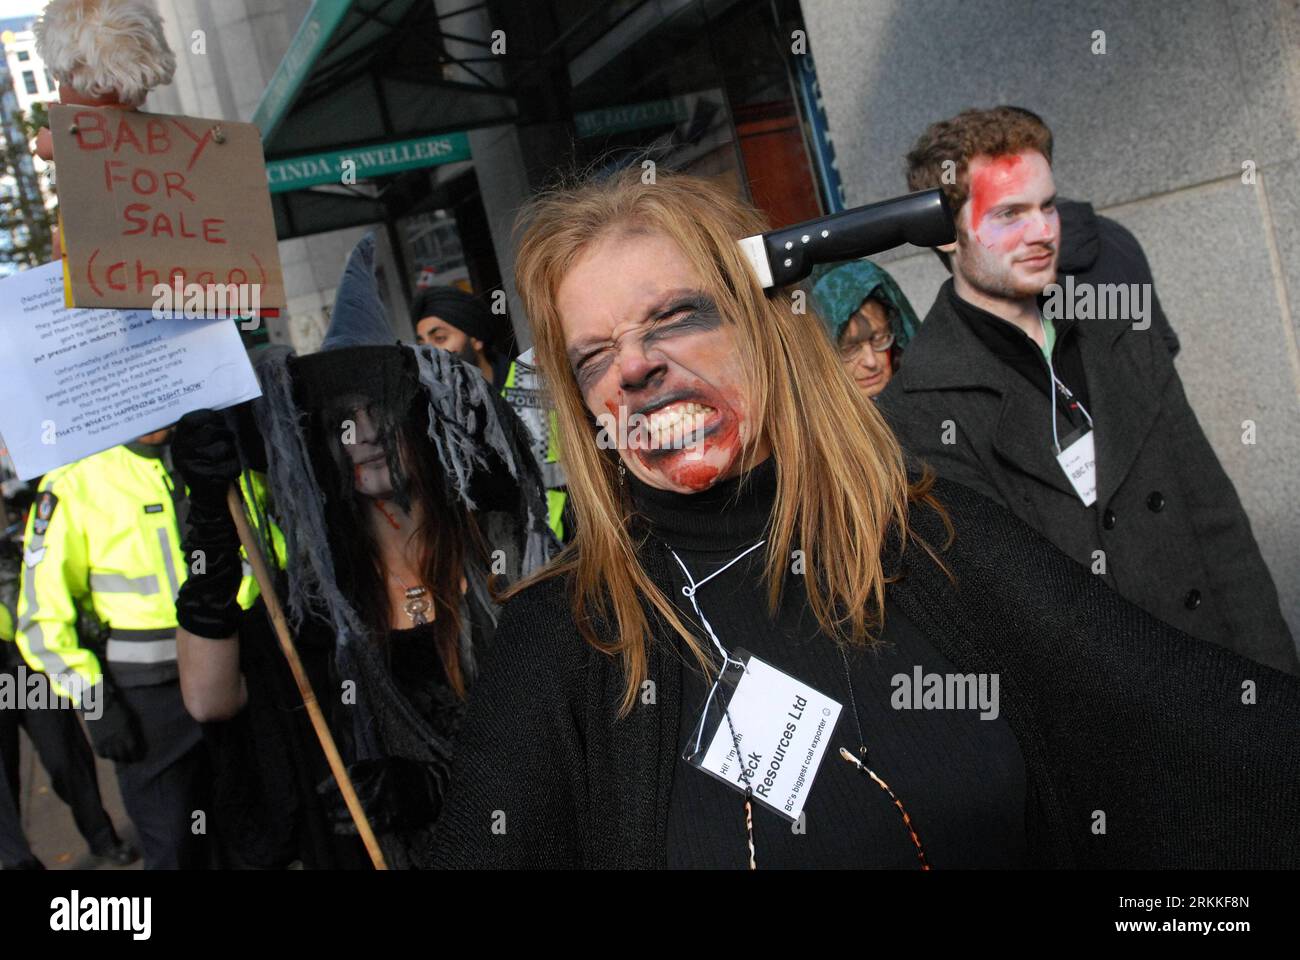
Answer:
(103, 532)
(524, 392)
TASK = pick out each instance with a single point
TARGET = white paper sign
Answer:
(75, 382)
(783, 727)
(1079, 461)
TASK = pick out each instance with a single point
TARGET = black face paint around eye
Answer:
(695, 312)
(590, 368)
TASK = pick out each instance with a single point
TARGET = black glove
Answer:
(115, 733)
(204, 451)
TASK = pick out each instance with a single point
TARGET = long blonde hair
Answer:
(842, 482)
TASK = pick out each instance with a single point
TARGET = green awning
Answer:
(384, 82)
(376, 160)
(299, 61)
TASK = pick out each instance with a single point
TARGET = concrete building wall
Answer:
(1154, 132)
(226, 52)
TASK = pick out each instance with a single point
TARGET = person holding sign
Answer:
(160, 212)
(404, 486)
(717, 672)
(102, 53)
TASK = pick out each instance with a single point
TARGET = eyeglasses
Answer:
(865, 770)
(879, 342)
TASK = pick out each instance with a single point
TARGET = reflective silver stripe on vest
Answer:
(120, 583)
(165, 541)
(142, 646)
(50, 660)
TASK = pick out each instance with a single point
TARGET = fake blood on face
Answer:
(694, 476)
(992, 182)
(696, 469)
(720, 452)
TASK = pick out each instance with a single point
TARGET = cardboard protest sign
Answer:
(74, 382)
(148, 199)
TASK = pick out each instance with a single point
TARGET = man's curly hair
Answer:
(972, 133)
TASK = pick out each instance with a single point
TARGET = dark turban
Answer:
(463, 311)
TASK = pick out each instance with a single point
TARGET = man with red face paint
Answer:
(1069, 411)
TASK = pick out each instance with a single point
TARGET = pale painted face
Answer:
(1008, 231)
(648, 347)
(370, 474)
(871, 369)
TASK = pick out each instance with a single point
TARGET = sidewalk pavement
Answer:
(48, 823)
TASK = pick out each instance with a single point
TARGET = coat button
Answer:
(1108, 519)
(1192, 600)
(1156, 502)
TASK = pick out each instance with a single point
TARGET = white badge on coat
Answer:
(1079, 461)
(782, 726)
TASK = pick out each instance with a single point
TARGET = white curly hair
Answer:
(105, 47)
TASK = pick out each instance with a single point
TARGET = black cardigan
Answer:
(1126, 725)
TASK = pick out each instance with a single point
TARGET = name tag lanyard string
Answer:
(1065, 391)
(863, 764)
(689, 591)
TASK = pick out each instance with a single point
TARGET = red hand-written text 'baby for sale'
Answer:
(98, 130)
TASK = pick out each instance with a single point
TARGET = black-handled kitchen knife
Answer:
(787, 255)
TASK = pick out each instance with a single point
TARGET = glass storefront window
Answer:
(700, 86)
(432, 246)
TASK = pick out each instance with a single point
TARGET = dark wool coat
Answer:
(1114, 711)
(1168, 524)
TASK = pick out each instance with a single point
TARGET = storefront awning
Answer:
(390, 84)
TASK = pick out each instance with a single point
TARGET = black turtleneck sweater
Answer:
(962, 779)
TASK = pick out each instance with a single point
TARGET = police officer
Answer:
(104, 537)
(52, 727)
(525, 392)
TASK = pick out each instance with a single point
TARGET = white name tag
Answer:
(782, 726)
(1079, 461)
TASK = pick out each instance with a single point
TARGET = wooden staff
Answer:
(267, 585)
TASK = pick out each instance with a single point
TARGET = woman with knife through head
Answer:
(771, 644)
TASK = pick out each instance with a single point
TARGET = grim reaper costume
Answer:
(389, 702)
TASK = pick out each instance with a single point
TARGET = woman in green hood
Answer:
(868, 317)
